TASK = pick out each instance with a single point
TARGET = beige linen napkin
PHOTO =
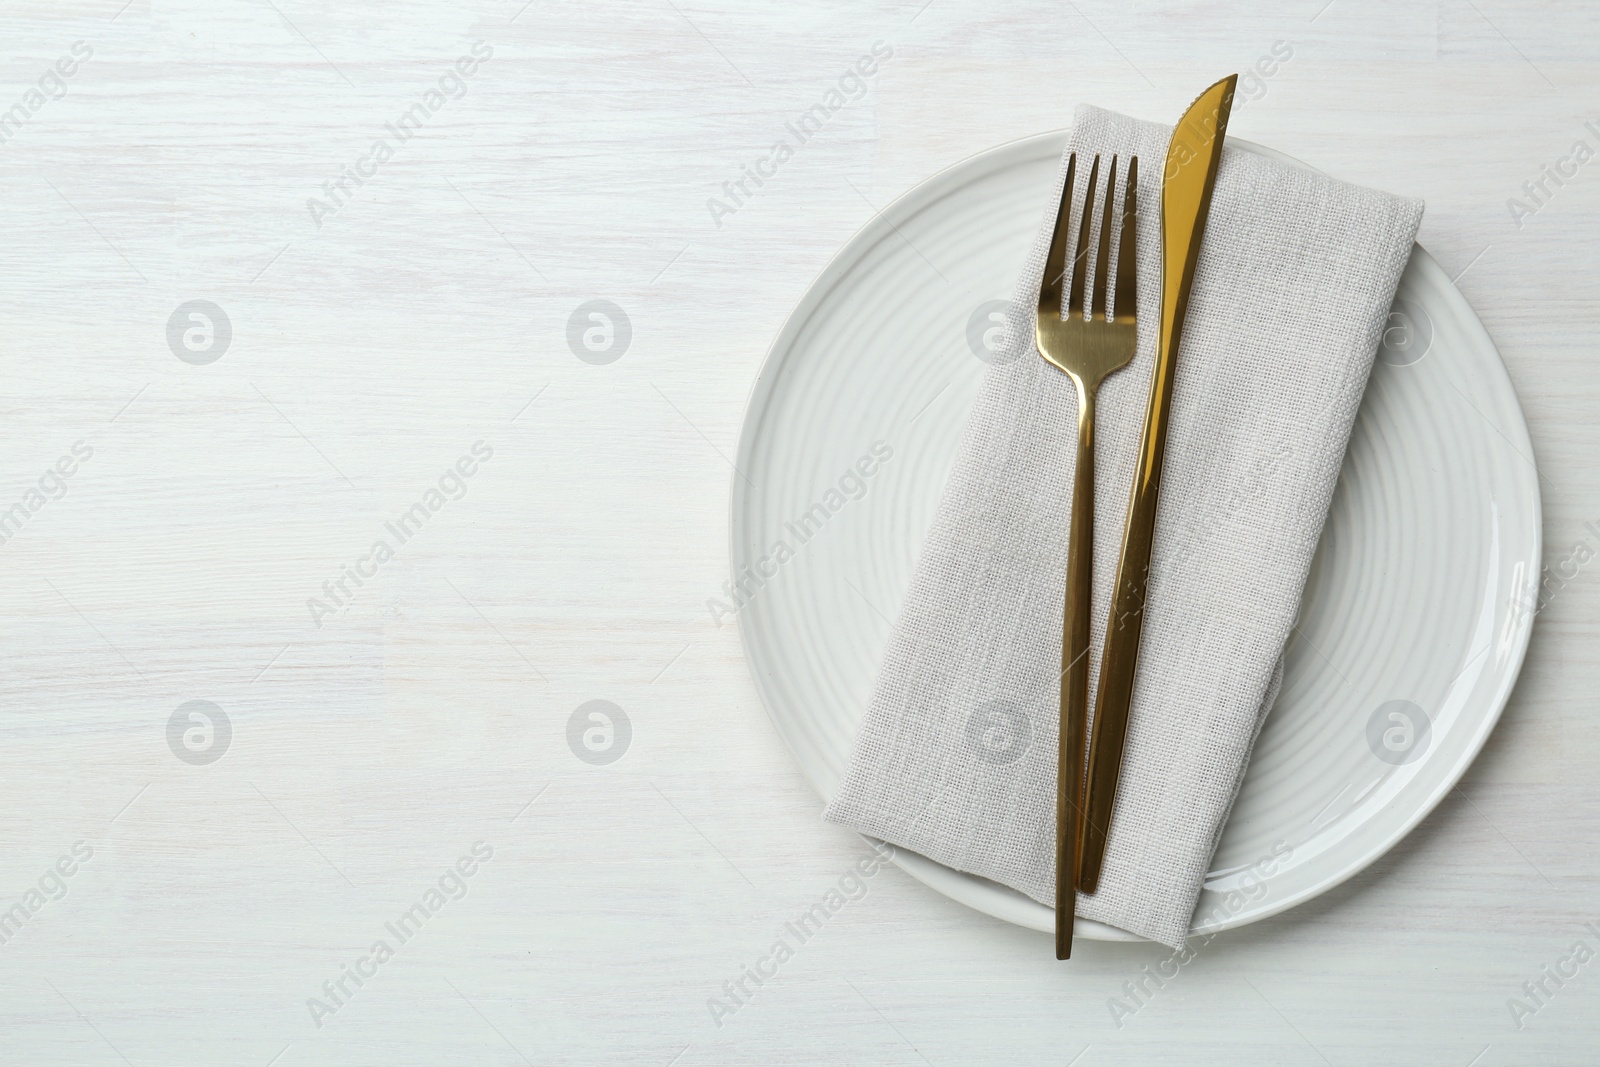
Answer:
(956, 755)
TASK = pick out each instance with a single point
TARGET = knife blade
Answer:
(1193, 156)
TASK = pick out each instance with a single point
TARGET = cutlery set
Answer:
(1088, 344)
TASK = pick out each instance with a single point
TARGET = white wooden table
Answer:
(380, 715)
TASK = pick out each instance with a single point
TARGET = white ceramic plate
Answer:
(1412, 630)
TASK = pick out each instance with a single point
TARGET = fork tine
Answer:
(1127, 260)
(1080, 261)
(1099, 299)
(1055, 264)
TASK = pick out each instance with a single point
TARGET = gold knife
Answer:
(1191, 172)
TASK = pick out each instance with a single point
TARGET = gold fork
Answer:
(1087, 347)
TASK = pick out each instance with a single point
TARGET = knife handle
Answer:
(1120, 658)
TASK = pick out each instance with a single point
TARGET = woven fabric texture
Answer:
(956, 754)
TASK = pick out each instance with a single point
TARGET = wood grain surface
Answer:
(396, 744)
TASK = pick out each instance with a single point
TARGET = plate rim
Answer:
(920, 867)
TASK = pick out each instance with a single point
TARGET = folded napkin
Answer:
(956, 758)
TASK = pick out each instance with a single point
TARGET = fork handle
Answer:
(1075, 675)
